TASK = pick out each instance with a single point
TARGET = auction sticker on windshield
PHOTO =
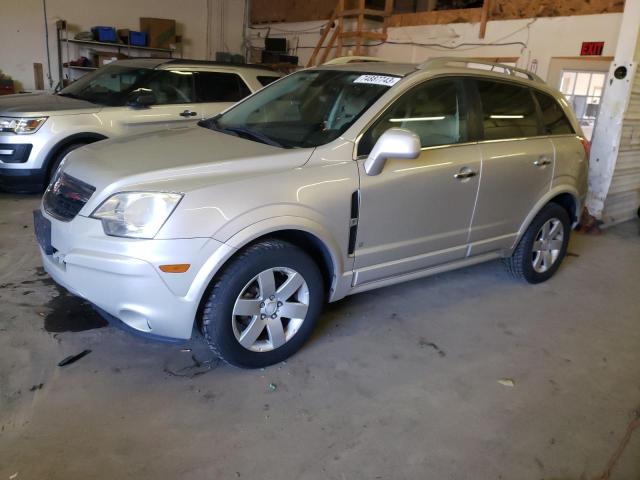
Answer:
(384, 80)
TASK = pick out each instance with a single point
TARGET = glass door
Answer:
(583, 90)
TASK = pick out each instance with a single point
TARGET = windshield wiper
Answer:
(240, 131)
(253, 134)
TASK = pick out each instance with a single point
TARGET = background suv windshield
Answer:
(305, 109)
(107, 86)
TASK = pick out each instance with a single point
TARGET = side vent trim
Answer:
(353, 221)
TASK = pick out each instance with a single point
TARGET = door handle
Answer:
(464, 174)
(188, 113)
(542, 161)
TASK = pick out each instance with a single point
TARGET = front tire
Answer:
(543, 246)
(264, 305)
(58, 159)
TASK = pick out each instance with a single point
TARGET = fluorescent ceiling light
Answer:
(506, 116)
(416, 119)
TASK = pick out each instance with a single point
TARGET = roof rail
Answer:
(352, 59)
(437, 62)
(186, 61)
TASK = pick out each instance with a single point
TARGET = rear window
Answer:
(554, 121)
(266, 80)
(220, 87)
(508, 110)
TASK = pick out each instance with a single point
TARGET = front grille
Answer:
(66, 196)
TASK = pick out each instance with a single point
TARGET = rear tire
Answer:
(264, 305)
(543, 246)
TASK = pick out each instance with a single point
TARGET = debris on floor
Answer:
(73, 358)
(507, 382)
(425, 343)
(197, 368)
(634, 424)
(273, 387)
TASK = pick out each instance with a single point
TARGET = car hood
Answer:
(43, 104)
(181, 159)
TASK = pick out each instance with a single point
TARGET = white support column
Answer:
(614, 104)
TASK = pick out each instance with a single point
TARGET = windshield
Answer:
(109, 85)
(306, 109)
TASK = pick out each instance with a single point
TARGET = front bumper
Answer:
(22, 160)
(26, 180)
(122, 276)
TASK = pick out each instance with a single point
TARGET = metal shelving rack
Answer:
(64, 40)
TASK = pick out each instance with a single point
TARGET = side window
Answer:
(508, 110)
(433, 110)
(554, 120)
(220, 87)
(172, 87)
(266, 80)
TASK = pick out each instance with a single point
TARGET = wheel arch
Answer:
(566, 197)
(87, 137)
(312, 238)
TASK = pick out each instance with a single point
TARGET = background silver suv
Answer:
(331, 181)
(124, 97)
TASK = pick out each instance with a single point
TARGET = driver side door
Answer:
(417, 213)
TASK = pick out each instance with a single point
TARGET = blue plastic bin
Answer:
(139, 39)
(104, 34)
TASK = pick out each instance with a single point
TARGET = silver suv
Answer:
(124, 97)
(331, 181)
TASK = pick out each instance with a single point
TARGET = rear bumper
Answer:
(22, 180)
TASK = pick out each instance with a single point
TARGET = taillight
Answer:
(586, 144)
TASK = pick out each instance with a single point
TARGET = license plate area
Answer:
(42, 227)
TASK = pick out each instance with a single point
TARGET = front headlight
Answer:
(21, 125)
(136, 214)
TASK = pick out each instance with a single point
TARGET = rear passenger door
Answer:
(517, 163)
(217, 91)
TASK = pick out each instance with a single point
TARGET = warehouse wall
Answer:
(22, 29)
(529, 39)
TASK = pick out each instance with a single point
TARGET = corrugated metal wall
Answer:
(623, 199)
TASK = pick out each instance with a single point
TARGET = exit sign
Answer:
(592, 48)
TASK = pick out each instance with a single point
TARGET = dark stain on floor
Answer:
(69, 313)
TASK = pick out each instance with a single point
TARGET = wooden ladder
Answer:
(336, 24)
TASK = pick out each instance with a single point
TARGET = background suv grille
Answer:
(66, 196)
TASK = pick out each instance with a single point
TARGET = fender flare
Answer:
(554, 192)
(263, 228)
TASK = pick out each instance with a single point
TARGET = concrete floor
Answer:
(399, 383)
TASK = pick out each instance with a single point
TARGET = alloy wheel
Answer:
(547, 245)
(270, 309)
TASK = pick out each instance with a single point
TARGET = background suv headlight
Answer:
(21, 125)
(136, 214)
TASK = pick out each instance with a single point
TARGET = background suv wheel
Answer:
(543, 246)
(55, 163)
(264, 305)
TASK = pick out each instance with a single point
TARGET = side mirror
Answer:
(394, 143)
(142, 99)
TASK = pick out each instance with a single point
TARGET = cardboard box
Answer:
(161, 32)
(100, 59)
